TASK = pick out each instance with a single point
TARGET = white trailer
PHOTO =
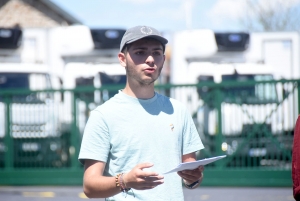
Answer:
(264, 56)
(80, 74)
(202, 55)
(29, 111)
(47, 46)
(31, 119)
(277, 52)
(280, 50)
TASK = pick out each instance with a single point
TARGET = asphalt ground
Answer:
(74, 193)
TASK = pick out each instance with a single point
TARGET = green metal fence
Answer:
(251, 122)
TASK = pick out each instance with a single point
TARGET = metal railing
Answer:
(251, 122)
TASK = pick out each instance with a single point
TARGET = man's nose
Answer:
(150, 60)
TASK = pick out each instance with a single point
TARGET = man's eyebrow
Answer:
(158, 48)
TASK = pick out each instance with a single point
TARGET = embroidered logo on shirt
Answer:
(172, 127)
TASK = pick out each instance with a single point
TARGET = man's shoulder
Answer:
(169, 99)
(108, 105)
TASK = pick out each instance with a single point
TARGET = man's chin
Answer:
(148, 82)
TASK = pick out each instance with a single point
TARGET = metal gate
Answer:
(251, 122)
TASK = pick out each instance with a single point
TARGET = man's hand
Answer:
(190, 176)
(142, 180)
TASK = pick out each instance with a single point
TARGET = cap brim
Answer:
(159, 38)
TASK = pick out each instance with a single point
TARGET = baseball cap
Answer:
(138, 32)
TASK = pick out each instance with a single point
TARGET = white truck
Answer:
(34, 123)
(45, 46)
(201, 56)
(280, 50)
(79, 74)
(240, 104)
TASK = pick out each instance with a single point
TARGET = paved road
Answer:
(67, 193)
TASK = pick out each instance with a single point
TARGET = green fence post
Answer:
(219, 137)
(74, 149)
(9, 148)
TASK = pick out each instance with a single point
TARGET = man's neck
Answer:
(144, 92)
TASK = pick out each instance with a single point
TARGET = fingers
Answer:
(141, 179)
(147, 183)
(153, 178)
(146, 173)
(188, 177)
(150, 182)
(144, 165)
(196, 171)
(192, 175)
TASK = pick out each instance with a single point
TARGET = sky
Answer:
(169, 15)
(164, 15)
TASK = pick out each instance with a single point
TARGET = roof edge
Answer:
(62, 12)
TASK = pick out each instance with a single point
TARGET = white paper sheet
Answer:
(195, 164)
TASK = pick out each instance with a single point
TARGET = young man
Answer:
(137, 135)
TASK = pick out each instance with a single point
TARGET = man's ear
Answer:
(122, 59)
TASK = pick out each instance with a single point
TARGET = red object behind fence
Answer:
(296, 161)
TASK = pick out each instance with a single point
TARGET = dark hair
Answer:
(125, 48)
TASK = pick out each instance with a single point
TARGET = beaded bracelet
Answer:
(125, 183)
(120, 183)
(117, 181)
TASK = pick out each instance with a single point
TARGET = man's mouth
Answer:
(149, 70)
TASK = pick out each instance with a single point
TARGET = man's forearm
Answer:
(100, 187)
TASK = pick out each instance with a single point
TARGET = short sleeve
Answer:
(95, 143)
(191, 138)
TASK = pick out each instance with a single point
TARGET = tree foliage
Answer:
(272, 15)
